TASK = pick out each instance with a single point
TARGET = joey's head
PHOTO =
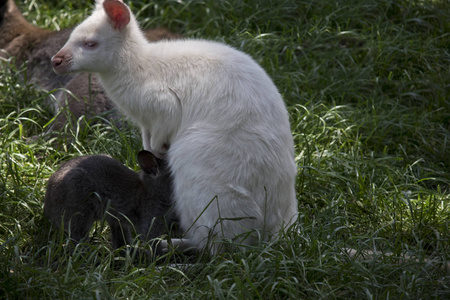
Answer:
(95, 44)
(154, 170)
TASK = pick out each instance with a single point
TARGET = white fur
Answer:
(215, 113)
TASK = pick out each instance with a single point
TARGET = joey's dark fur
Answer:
(89, 188)
(36, 46)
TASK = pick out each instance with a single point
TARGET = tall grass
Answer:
(367, 85)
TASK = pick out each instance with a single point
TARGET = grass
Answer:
(367, 85)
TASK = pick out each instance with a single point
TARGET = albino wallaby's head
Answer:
(95, 44)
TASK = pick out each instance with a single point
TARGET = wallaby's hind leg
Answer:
(80, 215)
(81, 204)
(120, 234)
(78, 226)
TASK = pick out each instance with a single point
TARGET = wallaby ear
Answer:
(118, 13)
(148, 163)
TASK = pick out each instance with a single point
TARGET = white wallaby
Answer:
(210, 109)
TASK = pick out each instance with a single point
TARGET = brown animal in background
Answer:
(36, 46)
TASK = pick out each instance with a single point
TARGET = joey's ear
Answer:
(118, 13)
(147, 162)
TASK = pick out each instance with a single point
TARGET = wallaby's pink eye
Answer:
(89, 44)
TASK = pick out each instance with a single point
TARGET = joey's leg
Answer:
(78, 226)
(120, 235)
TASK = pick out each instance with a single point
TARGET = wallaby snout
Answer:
(56, 62)
(61, 63)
